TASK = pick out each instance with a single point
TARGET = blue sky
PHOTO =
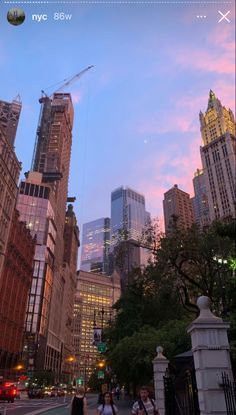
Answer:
(136, 112)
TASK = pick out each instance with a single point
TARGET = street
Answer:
(55, 406)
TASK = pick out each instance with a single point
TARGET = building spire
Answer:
(212, 100)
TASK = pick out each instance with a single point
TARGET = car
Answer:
(8, 391)
(37, 393)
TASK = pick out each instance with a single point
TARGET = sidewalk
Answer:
(124, 407)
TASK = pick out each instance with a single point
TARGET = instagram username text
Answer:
(58, 16)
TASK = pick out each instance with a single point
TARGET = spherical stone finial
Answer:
(204, 303)
(159, 350)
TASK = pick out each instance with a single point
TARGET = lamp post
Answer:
(71, 360)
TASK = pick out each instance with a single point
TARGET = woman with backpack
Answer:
(107, 407)
(79, 402)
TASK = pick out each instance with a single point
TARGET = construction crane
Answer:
(68, 82)
(45, 101)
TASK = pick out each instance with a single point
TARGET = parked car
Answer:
(8, 391)
(37, 393)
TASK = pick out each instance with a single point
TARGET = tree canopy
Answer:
(157, 306)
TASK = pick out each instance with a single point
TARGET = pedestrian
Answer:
(79, 402)
(107, 407)
(144, 405)
(117, 392)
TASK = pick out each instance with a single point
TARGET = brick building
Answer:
(15, 282)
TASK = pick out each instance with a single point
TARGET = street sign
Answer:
(102, 347)
(101, 374)
(79, 381)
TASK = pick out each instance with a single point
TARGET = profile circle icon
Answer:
(16, 16)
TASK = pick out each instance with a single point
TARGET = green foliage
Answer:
(157, 307)
(131, 358)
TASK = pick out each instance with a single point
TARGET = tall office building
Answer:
(127, 213)
(36, 206)
(128, 220)
(71, 244)
(218, 157)
(44, 194)
(177, 203)
(15, 283)
(95, 295)
(9, 174)
(9, 118)
(95, 246)
(200, 201)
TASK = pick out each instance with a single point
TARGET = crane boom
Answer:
(71, 80)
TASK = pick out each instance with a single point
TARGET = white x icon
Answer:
(224, 16)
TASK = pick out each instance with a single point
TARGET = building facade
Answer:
(9, 174)
(95, 246)
(218, 157)
(200, 200)
(9, 118)
(128, 214)
(42, 202)
(15, 284)
(95, 295)
(71, 245)
(36, 207)
(177, 205)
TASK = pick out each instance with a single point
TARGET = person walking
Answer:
(107, 407)
(144, 405)
(79, 402)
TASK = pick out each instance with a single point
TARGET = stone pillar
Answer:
(160, 365)
(210, 348)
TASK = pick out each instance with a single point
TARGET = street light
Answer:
(19, 367)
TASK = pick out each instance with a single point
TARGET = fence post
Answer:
(210, 348)
(160, 364)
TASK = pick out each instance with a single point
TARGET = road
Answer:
(55, 406)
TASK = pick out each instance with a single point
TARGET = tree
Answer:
(197, 263)
(131, 358)
(188, 264)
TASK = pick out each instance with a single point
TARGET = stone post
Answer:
(160, 365)
(210, 348)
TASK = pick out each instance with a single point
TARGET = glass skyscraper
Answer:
(95, 246)
(128, 213)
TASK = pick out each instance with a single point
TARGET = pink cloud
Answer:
(221, 63)
(162, 124)
(156, 179)
(217, 55)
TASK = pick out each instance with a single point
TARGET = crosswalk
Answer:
(28, 406)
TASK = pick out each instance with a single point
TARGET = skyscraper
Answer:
(71, 244)
(36, 206)
(218, 157)
(177, 203)
(128, 220)
(95, 296)
(9, 174)
(9, 118)
(200, 201)
(47, 184)
(95, 246)
(127, 213)
(15, 283)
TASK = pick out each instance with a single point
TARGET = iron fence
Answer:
(230, 394)
(181, 397)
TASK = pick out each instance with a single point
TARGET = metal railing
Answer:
(229, 388)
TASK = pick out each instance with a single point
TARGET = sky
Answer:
(137, 111)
